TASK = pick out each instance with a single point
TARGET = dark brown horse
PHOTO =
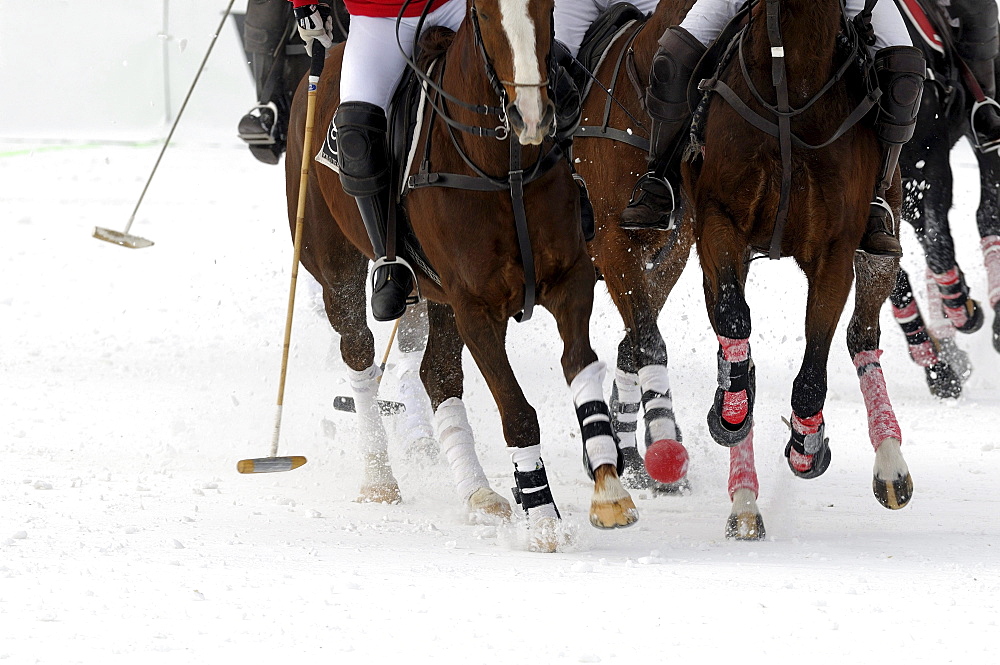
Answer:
(639, 267)
(482, 269)
(734, 188)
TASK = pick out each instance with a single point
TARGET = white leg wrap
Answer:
(628, 393)
(372, 431)
(414, 423)
(451, 423)
(586, 387)
(661, 424)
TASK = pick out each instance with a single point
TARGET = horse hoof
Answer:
(808, 466)
(616, 515)
(543, 535)
(681, 488)
(486, 502)
(384, 492)
(956, 358)
(745, 526)
(611, 506)
(943, 381)
(893, 494)
(634, 475)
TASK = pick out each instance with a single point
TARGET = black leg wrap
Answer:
(733, 377)
(532, 489)
(595, 420)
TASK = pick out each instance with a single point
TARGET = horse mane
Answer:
(433, 44)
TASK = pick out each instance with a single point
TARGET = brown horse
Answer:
(480, 261)
(639, 267)
(734, 187)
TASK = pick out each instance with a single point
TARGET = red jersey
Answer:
(381, 8)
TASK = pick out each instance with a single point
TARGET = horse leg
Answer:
(942, 331)
(934, 232)
(730, 420)
(923, 347)
(571, 304)
(988, 221)
(641, 375)
(892, 484)
(745, 521)
(443, 355)
(484, 332)
(342, 275)
(413, 426)
(830, 278)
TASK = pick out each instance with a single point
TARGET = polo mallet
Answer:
(272, 462)
(124, 238)
(385, 407)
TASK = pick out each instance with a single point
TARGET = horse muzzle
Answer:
(531, 127)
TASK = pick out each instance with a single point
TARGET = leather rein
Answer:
(517, 175)
(783, 111)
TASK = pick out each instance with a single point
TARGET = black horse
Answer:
(950, 95)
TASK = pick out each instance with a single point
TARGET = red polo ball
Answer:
(666, 461)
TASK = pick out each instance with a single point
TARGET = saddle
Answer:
(598, 39)
(404, 114)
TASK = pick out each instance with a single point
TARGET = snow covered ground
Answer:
(133, 381)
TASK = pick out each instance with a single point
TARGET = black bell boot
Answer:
(900, 73)
(655, 198)
(363, 159)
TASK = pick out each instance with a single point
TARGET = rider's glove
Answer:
(315, 21)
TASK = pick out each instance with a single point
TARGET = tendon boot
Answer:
(899, 71)
(569, 107)
(363, 159)
(655, 199)
(985, 116)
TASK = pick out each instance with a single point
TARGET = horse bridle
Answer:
(782, 110)
(516, 177)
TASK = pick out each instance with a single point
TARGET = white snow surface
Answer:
(134, 380)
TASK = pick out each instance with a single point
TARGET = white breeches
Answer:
(707, 18)
(373, 64)
(573, 17)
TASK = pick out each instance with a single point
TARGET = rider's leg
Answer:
(667, 104)
(363, 159)
(369, 74)
(977, 43)
(900, 73)
(265, 125)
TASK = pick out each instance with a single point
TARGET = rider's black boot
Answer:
(655, 198)
(363, 159)
(900, 74)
